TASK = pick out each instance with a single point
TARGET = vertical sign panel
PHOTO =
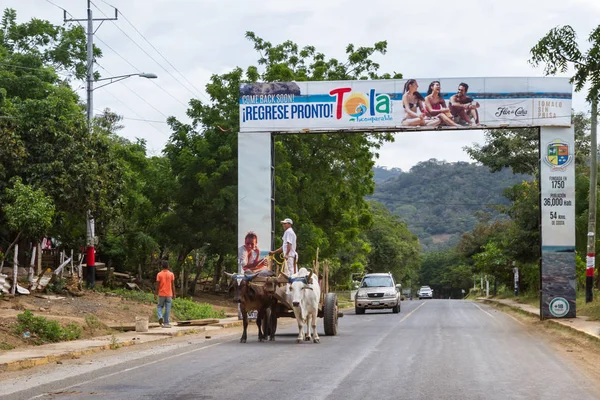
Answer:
(557, 187)
(254, 193)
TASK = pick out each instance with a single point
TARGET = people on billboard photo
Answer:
(249, 255)
(435, 105)
(463, 108)
(414, 108)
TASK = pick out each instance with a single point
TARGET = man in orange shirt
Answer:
(165, 290)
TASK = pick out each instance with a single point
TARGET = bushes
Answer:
(181, 308)
(44, 331)
(184, 309)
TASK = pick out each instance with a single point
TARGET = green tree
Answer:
(28, 211)
(45, 140)
(321, 180)
(559, 49)
(393, 247)
(519, 148)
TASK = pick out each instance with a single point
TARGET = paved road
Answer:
(433, 349)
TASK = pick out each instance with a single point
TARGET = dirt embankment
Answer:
(107, 308)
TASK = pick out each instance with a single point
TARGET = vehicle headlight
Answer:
(390, 293)
(361, 294)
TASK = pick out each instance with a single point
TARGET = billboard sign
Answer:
(404, 104)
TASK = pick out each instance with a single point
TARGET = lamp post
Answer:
(90, 258)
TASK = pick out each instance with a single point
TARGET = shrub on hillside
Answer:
(42, 330)
(184, 309)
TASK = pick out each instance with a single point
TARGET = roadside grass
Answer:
(185, 309)
(548, 326)
(590, 310)
(40, 330)
(6, 346)
(181, 308)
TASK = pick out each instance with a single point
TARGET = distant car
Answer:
(377, 291)
(425, 293)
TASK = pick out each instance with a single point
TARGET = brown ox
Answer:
(253, 297)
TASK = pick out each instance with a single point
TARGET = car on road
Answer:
(425, 293)
(377, 291)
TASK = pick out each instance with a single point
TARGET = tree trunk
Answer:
(199, 267)
(109, 277)
(181, 264)
(24, 245)
(217, 275)
(182, 280)
(10, 247)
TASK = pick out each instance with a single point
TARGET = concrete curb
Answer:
(33, 362)
(231, 324)
(163, 334)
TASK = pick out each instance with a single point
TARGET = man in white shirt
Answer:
(288, 248)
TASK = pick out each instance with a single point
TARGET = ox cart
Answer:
(328, 302)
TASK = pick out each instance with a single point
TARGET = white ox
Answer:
(304, 296)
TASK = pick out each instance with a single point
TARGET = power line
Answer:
(135, 93)
(137, 69)
(35, 69)
(56, 5)
(101, 112)
(145, 52)
(159, 53)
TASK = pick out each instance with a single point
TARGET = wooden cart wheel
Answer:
(330, 314)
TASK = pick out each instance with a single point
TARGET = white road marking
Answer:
(484, 311)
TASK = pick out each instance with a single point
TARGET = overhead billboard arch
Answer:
(268, 109)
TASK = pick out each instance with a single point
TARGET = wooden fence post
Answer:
(15, 269)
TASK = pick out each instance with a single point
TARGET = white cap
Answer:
(287, 221)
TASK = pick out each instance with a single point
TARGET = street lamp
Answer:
(118, 78)
(90, 259)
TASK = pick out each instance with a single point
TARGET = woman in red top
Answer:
(435, 105)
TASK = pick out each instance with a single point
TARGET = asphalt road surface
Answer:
(433, 349)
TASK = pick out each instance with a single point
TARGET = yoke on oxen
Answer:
(271, 285)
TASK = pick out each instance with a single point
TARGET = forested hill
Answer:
(439, 199)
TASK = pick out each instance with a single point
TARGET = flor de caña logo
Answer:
(362, 107)
(511, 111)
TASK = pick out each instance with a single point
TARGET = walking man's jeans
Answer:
(165, 302)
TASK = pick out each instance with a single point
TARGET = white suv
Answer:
(377, 291)
(425, 293)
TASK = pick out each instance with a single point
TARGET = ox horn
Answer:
(228, 274)
(309, 279)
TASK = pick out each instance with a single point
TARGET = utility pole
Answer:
(90, 250)
(591, 237)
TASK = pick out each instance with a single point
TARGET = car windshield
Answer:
(377, 281)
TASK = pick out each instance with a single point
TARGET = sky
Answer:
(185, 42)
